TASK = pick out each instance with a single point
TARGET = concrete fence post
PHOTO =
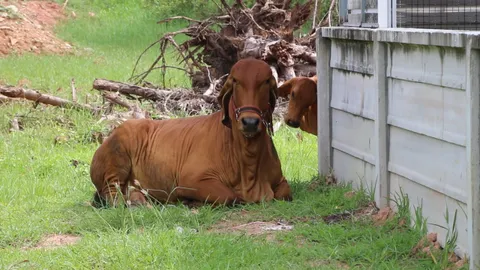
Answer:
(382, 188)
(473, 148)
(324, 119)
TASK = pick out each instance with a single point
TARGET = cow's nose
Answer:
(250, 124)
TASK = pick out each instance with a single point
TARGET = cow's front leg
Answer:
(282, 191)
(210, 191)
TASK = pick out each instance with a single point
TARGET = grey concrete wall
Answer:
(353, 111)
(403, 112)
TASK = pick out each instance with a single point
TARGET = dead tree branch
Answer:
(37, 97)
(74, 90)
(116, 99)
(315, 9)
(264, 31)
(165, 100)
(144, 92)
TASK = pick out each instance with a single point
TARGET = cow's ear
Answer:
(224, 99)
(285, 89)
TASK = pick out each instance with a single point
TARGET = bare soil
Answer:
(429, 246)
(368, 211)
(30, 29)
(245, 222)
(253, 228)
(56, 241)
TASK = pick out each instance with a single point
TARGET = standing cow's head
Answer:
(302, 92)
(248, 97)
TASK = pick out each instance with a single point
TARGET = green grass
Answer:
(42, 193)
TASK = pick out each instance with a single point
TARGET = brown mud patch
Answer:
(27, 26)
(56, 240)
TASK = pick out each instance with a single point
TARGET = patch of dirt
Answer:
(429, 246)
(383, 216)
(56, 241)
(426, 244)
(251, 228)
(349, 194)
(460, 263)
(241, 223)
(27, 26)
(368, 211)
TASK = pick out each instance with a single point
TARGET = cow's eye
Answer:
(292, 94)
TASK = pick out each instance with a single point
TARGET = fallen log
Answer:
(115, 99)
(33, 95)
(165, 100)
(134, 109)
(4, 99)
(147, 93)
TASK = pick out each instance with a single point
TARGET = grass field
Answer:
(42, 193)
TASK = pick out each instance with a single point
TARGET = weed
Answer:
(402, 203)
(450, 239)
(420, 223)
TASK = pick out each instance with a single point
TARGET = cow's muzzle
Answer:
(251, 124)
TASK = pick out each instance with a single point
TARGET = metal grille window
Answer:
(439, 14)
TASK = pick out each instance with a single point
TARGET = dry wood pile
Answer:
(263, 31)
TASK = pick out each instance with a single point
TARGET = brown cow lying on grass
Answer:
(223, 158)
(302, 106)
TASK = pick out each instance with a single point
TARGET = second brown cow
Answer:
(221, 158)
(302, 105)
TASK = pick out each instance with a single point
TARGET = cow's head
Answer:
(248, 97)
(302, 92)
